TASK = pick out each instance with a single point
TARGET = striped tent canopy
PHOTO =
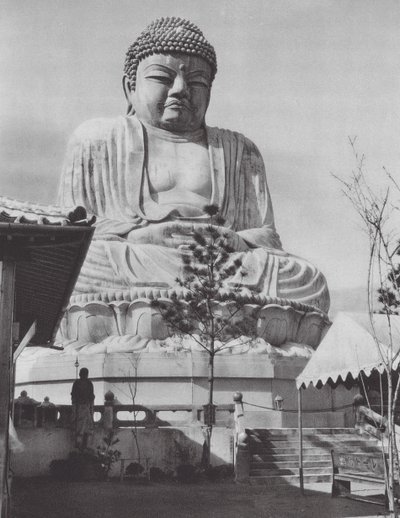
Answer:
(352, 345)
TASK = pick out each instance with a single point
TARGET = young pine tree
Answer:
(211, 310)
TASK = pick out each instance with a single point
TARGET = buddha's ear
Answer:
(208, 98)
(129, 94)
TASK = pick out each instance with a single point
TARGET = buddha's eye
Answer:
(198, 81)
(160, 78)
(198, 84)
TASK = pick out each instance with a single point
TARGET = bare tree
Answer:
(379, 212)
(213, 308)
(134, 360)
(132, 385)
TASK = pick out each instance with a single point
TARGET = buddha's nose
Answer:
(179, 87)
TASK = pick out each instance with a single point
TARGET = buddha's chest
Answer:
(181, 167)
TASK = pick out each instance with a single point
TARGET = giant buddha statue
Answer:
(147, 177)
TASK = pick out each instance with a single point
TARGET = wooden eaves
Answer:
(47, 259)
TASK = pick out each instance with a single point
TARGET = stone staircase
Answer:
(274, 453)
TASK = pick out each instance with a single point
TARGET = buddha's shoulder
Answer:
(232, 137)
(100, 129)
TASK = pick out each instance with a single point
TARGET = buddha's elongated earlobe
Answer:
(129, 93)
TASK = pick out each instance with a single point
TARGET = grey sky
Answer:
(297, 77)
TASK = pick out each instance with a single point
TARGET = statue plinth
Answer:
(180, 378)
(132, 324)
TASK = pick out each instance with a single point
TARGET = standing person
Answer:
(82, 396)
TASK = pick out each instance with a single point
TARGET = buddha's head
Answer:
(169, 70)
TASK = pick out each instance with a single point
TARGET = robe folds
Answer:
(105, 171)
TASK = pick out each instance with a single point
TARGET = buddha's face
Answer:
(172, 91)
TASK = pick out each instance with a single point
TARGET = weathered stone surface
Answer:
(136, 326)
(147, 178)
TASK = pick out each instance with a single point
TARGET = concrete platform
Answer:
(181, 378)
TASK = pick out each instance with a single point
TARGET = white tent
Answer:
(349, 347)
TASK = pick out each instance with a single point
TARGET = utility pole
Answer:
(7, 288)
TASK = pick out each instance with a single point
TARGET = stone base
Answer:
(163, 448)
(134, 325)
(180, 378)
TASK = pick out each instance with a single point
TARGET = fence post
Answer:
(300, 424)
(108, 414)
(241, 446)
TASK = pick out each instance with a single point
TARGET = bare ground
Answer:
(49, 498)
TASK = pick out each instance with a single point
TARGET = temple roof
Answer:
(49, 246)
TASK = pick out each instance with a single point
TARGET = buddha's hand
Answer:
(181, 235)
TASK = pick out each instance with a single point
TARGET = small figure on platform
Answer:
(82, 396)
(47, 412)
(25, 410)
(46, 403)
(24, 399)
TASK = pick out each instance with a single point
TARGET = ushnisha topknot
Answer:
(168, 35)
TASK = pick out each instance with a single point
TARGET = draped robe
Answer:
(106, 172)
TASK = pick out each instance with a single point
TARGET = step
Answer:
(311, 439)
(324, 439)
(291, 464)
(317, 448)
(317, 444)
(273, 481)
(309, 431)
(283, 446)
(309, 457)
(260, 450)
(286, 432)
(275, 453)
(289, 471)
(289, 451)
(312, 442)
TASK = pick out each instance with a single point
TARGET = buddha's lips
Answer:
(176, 103)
